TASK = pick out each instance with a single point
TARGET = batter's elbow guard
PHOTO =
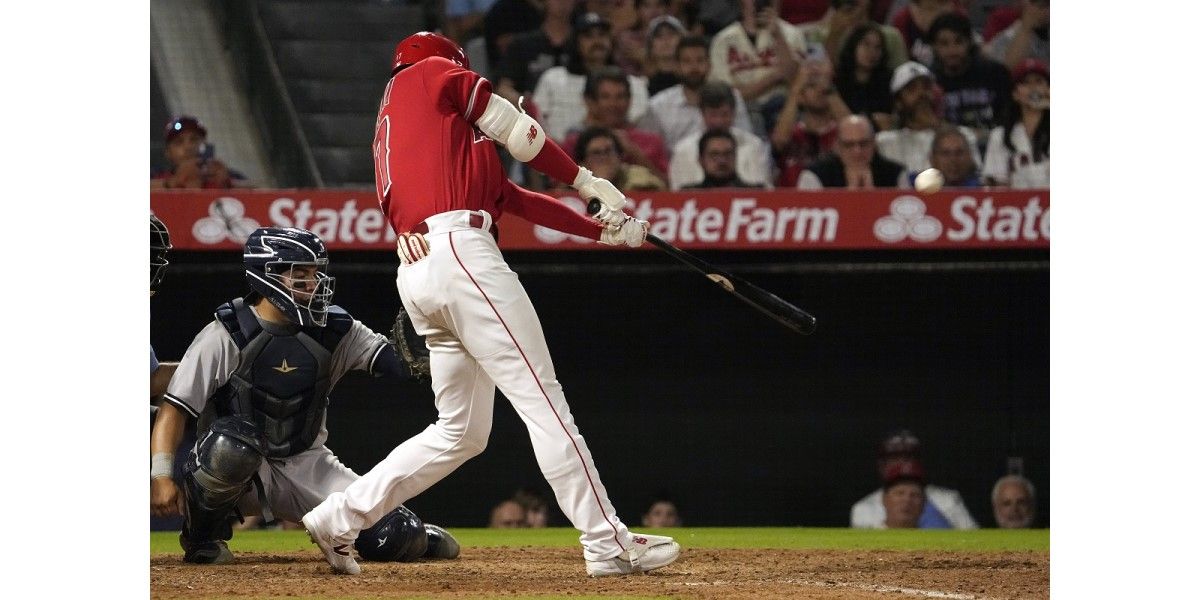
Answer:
(517, 131)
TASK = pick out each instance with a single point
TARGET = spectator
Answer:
(944, 507)
(1018, 153)
(951, 154)
(464, 18)
(1028, 38)
(663, 512)
(603, 154)
(758, 55)
(509, 514)
(633, 42)
(854, 163)
(975, 89)
(1012, 502)
(531, 53)
(844, 17)
(537, 510)
(807, 126)
(752, 163)
(913, 22)
(717, 157)
(559, 90)
(191, 158)
(675, 112)
(917, 117)
(862, 75)
(503, 21)
(662, 67)
(606, 96)
(903, 495)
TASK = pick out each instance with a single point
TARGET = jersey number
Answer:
(382, 149)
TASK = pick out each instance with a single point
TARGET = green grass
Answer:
(800, 538)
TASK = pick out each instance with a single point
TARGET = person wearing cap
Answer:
(192, 164)
(975, 88)
(854, 163)
(1028, 37)
(558, 94)
(675, 112)
(631, 43)
(1018, 152)
(532, 52)
(943, 508)
(903, 495)
(751, 160)
(917, 118)
(661, 67)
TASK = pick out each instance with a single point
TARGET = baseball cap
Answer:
(591, 20)
(901, 442)
(665, 20)
(1030, 65)
(181, 124)
(907, 72)
(905, 470)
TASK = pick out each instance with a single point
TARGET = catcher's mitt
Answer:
(409, 346)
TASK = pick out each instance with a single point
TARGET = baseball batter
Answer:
(258, 379)
(440, 182)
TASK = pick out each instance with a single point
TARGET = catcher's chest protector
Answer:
(283, 377)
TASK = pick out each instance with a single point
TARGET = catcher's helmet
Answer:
(183, 123)
(423, 44)
(398, 536)
(271, 254)
(160, 242)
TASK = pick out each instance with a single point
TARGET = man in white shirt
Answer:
(912, 86)
(943, 508)
(753, 162)
(675, 112)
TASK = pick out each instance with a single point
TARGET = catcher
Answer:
(258, 379)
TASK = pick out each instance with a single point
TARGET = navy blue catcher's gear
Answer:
(160, 242)
(441, 543)
(274, 258)
(217, 473)
(398, 536)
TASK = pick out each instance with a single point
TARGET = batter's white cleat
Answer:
(337, 555)
(649, 552)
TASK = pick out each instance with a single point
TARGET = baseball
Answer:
(929, 181)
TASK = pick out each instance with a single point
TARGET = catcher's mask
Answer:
(288, 267)
(160, 242)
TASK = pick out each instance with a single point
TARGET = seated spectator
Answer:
(503, 21)
(854, 163)
(807, 126)
(191, 158)
(602, 152)
(844, 16)
(559, 91)
(717, 156)
(674, 113)
(1018, 153)
(913, 22)
(632, 42)
(607, 96)
(509, 514)
(1027, 38)
(862, 75)
(944, 508)
(975, 89)
(752, 163)
(661, 67)
(951, 154)
(758, 55)
(1013, 502)
(917, 118)
(663, 512)
(903, 495)
(537, 510)
(533, 52)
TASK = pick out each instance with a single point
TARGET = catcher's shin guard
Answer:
(216, 475)
(399, 536)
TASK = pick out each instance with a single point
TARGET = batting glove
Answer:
(612, 201)
(632, 233)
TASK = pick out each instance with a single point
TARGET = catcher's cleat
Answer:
(441, 543)
(337, 555)
(206, 553)
(649, 552)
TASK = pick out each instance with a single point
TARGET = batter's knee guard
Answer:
(217, 473)
(398, 536)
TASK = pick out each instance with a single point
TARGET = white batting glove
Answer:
(612, 201)
(632, 233)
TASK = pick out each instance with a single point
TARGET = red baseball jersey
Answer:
(429, 156)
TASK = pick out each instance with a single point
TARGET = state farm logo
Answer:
(226, 221)
(907, 220)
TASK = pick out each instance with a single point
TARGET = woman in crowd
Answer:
(1018, 153)
(862, 75)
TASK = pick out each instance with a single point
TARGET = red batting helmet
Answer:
(423, 44)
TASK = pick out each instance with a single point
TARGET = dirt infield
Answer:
(699, 573)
